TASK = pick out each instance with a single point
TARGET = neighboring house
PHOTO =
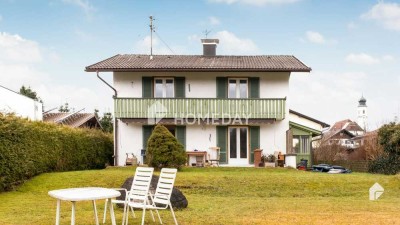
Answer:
(73, 119)
(238, 103)
(14, 102)
(305, 131)
(344, 133)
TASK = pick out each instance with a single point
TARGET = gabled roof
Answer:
(328, 135)
(346, 124)
(73, 119)
(261, 63)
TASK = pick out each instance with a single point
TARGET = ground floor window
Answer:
(301, 144)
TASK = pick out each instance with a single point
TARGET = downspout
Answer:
(116, 141)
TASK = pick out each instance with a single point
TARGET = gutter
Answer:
(116, 141)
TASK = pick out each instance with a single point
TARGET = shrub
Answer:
(389, 161)
(30, 148)
(164, 150)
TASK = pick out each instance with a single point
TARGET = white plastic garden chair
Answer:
(162, 195)
(138, 192)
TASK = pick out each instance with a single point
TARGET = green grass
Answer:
(223, 196)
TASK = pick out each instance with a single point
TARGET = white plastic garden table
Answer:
(84, 194)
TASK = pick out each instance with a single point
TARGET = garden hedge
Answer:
(30, 148)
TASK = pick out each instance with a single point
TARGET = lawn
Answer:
(223, 196)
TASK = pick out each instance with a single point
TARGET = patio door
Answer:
(238, 145)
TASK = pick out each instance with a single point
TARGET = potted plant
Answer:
(270, 160)
(263, 160)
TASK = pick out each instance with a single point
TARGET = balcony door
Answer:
(237, 88)
(164, 88)
(238, 145)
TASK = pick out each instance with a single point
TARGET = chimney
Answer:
(209, 46)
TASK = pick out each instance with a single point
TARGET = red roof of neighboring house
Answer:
(346, 124)
(73, 119)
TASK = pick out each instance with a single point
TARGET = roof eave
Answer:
(194, 70)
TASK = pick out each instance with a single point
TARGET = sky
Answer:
(352, 47)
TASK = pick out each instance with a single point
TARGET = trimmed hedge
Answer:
(30, 148)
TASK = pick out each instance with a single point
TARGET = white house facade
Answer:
(238, 103)
(20, 105)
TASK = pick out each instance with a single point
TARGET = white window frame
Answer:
(237, 89)
(164, 87)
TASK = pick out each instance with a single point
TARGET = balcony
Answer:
(212, 108)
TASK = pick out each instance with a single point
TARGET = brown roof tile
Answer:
(133, 62)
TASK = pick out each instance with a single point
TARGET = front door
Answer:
(238, 146)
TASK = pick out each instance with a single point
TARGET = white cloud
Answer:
(214, 21)
(362, 58)
(143, 47)
(332, 95)
(315, 37)
(255, 2)
(388, 58)
(351, 25)
(14, 48)
(386, 14)
(194, 37)
(83, 4)
(230, 44)
(20, 59)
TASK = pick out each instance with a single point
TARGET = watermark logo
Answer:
(375, 191)
(156, 112)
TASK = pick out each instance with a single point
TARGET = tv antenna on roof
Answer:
(152, 29)
(206, 32)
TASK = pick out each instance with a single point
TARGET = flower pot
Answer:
(270, 164)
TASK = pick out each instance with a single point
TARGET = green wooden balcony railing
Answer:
(200, 108)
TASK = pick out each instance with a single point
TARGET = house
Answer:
(238, 103)
(20, 105)
(305, 131)
(73, 119)
(344, 133)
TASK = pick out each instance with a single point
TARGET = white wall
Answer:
(273, 137)
(305, 122)
(130, 141)
(201, 138)
(12, 102)
(203, 84)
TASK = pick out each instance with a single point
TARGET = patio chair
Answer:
(161, 198)
(138, 192)
(215, 158)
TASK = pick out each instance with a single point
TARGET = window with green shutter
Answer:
(222, 142)
(254, 87)
(180, 134)
(147, 87)
(222, 87)
(254, 141)
(147, 130)
(179, 87)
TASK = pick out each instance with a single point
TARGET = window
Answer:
(301, 144)
(237, 88)
(164, 88)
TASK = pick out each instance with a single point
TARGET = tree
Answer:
(64, 108)
(106, 121)
(164, 150)
(28, 92)
(389, 160)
